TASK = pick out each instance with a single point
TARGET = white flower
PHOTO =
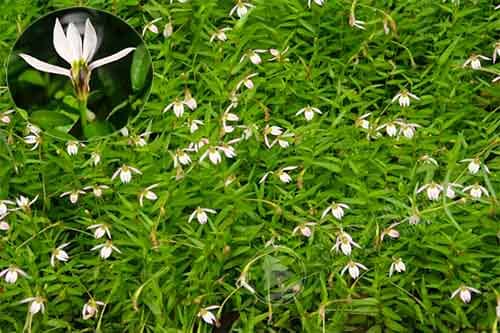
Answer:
(96, 189)
(403, 97)
(72, 147)
(343, 243)
(281, 173)
(304, 229)
(194, 125)
(337, 210)
(433, 190)
(4, 116)
(242, 282)
(353, 268)
(95, 158)
(59, 254)
(397, 265)
(148, 194)
(474, 61)
(228, 149)
(73, 195)
(390, 231)
(390, 128)
(414, 219)
(90, 309)
(24, 203)
(428, 160)
(278, 55)
(33, 139)
(181, 158)
(213, 154)
(201, 214)
(253, 55)
(407, 129)
(207, 316)
(106, 249)
(465, 293)
(36, 304)
(189, 100)
(282, 140)
(308, 112)
(125, 173)
(228, 116)
(318, 2)
(196, 146)
(476, 191)
(353, 22)
(4, 226)
(11, 274)
(168, 30)
(3, 206)
(241, 8)
(496, 51)
(220, 35)
(151, 26)
(362, 122)
(77, 53)
(100, 230)
(178, 107)
(271, 130)
(450, 191)
(475, 165)
(247, 81)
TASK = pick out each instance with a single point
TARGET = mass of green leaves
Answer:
(169, 268)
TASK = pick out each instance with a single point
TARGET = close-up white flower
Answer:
(355, 23)
(475, 165)
(474, 61)
(397, 266)
(181, 157)
(353, 268)
(207, 315)
(96, 189)
(304, 229)
(59, 254)
(450, 189)
(73, 195)
(407, 129)
(125, 172)
(278, 55)
(147, 193)
(308, 112)
(4, 209)
(254, 56)
(390, 231)
(151, 26)
(194, 125)
(344, 243)
(362, 122)
(476, 191)
(213, 155)
(100, 230)
(11, 273)
(79, 54)
(189, 100)
(403, 98)
(318, 2)
(220, 35)
(106, 249)
(464, 293)
(241, 8)
(36, 304)
(337, 210)
(5, 116)
(24, 203)
(201, 214)
(247, 81)
(178, 106)
(33, 139)
(72, 147)
(91, 308)
(433, 190)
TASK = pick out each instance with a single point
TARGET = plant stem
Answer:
(82, 106)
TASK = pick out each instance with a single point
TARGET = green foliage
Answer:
(169, 269)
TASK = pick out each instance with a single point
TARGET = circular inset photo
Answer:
(80, 72)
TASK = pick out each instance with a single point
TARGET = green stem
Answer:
(82, 106)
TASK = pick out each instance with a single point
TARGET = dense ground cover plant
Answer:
(316, 166)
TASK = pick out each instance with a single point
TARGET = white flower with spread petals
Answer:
(4, 116)
(78, 54)
(3, 206)
(194, 125)
(196, 146)
(201, 214)
(407, 129)
(72, 147)
(241, 8)
(106, 249)
(227, 148)
(465, 293)
(476, 191)
(304, 229)
(151, 26)
(24, 203)
(73, 195)
(189, 100)
(213, 155)
(283, 140)
(279, 55)
(11, 274)
(148, 194)
(181, 158)
(95, 158)
(362, 122)
(433, 190)
(207, 316)
(353, 268)
(344, 243)
(355, 23)
(96, 189)
(403, 97)
(397, 265)
(100, 230)
(271, 130)
(247, 81)
(496, 51)
(390, 231)
(475, 165)
(308, 112)
(450, 189)
(337, 210)
(37, 304)
(178, 106)
(125, 172)
(59, 254)
(220, 35)
(33, 139)
(390, 128)
(474, 61)
(91, 308)
(253, 55)
(318, 2)
(282, 174)
(226, 117)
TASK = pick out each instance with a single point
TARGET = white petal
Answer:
(111, 58)
(89, 41)
(74, 41)
(61, 43)
(45, 67)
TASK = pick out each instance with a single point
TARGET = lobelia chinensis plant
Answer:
(78, 53)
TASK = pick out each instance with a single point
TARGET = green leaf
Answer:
(140, 69)
(50, 119)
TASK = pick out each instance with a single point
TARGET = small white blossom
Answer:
(73, 195)
(344, 243)
(433, 190)
(90, 309)
(428, 160)
(24, 203)
(148, 194)
(178, 107)
(189, 100)
(4, 116)
(181, 158)
(465, 293)
(253, 55)
(279, 55)
(168, 30)
(337, 210)
(213, 155)
(220, 35)
(247, 81)
(271, 130)
(194, 125)
(450, 189)
(95, 158)
(151, 26)
(72, 147)
(96, 189)
(242, 282)
(228, 149)
(241, 8)
(304, 229)
(355, 23)
(36, 305)
(11, 274)
(362, 122)
(397, 265)
(106, 249)
(407, 129)
(390, 231)
(475, 165)
(33, 139)
(201, 214)
(100, 230)
(390, 128)
(4, 226)
(207, 316)
(59, 254)
(353, 268)
(496, 51)
(403, 97)
(3, 206)
(308, 112)
(474, 61)
(476, 191)
(318, 2)
(125, 172)
(281, 173)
